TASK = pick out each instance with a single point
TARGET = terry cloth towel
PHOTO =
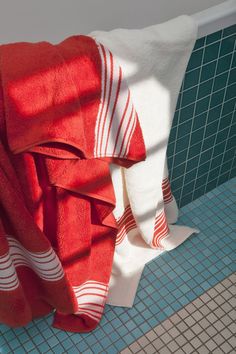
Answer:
(153, 61)
(62, 122)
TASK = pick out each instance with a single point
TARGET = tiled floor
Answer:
(206, 325)
(184, 302)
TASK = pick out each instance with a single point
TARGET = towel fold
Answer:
(153, 61)
(63, 120)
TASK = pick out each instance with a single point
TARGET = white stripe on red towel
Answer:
(161, 230)
(166, 190)
(125, 224)
(91, 297)
(45, 264)
(117, 117)
(8, 277)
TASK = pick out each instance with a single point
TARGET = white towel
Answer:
(154, 61)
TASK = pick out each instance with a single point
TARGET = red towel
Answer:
(65, 115)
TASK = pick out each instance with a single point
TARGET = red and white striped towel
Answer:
(153, 61)
(65, 115)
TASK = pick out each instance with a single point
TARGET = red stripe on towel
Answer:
(125, 223)
(117, 119)
(161, 230)
(166, 190)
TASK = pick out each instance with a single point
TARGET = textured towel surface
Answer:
(153, 61)
(63, 120)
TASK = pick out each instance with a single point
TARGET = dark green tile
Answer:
(222, 135)
(205, 88)
(208, 143)
(184, 128)
(189, 96)
(232, 131)
(208, 71)
(223, 178)
(205, 156)
(186, 199)
(176, 183)
(232, 173)
(194, 150)
(191, 78)
(199, 43)
(230, 92)
(216, 161)
(232, 76)
(230, 143)
(229, 30)
(170, 149)
(220, 81)
(192, 163)
(173, 133)
(227, 45)
(234, 60)
(178, 101)
(226, 167)
(177, 194)
(202, 169)
(217, 98)
(202, 105)
(211, 52)
(198, 192)
(195, 59)
(214, 173)
(199, 120)
(175, 119)
(191, 175)
(223, 64)
(180, 157)
(211, 185)
(228, 107)
(169, 162)
(214, 113)
(188, 188)
(213, 37)
(197, 136)
(229, 154)
(179, 170)
(186, 113)
(219, 148)
(201, 180)
(211, 128)
(182, 143)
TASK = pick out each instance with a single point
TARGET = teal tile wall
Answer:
(202, 143)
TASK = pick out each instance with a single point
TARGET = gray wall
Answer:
(53, 20)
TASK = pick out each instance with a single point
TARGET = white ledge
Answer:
(216, 18)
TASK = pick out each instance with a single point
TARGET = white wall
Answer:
(53, 20)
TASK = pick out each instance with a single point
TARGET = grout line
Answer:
(182, 163)
(209, 136)
(219, 119)
(204, 97)
(232, 165)
(205, 81)
(218, 40)
(220, 104)
(175, 143)
(209, 62)
(226, 146)
(207, 117)
(191, 129)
